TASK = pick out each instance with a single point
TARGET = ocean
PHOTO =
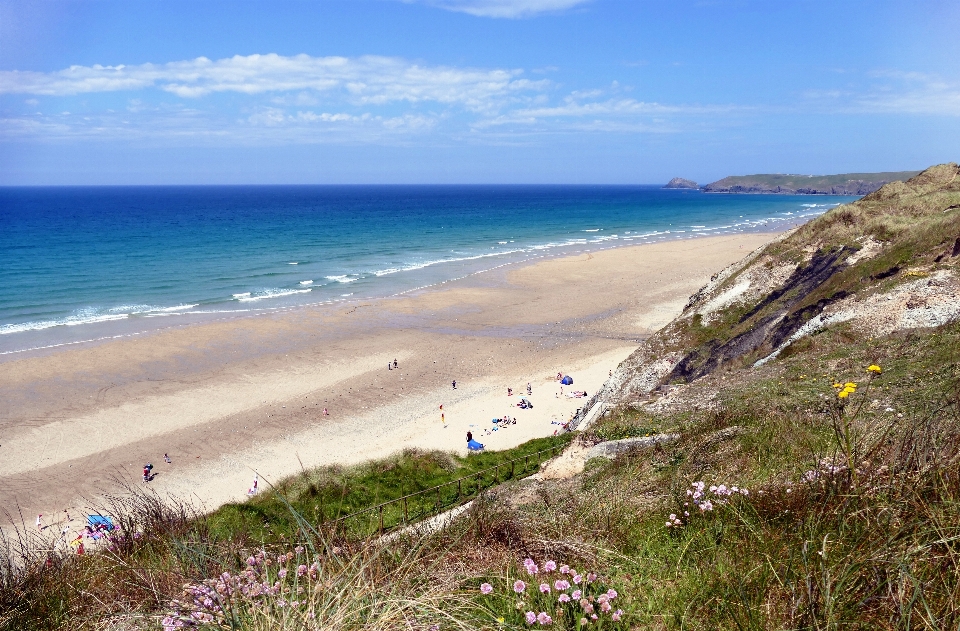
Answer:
(79, 264)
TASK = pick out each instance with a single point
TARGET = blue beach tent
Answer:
(100, 520)
(567, 380)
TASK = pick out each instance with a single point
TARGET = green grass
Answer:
(326, 494)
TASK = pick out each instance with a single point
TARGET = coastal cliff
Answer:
(842, 184)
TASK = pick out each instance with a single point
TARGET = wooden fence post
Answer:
(459, 490)
(381, 519)
(406, 515)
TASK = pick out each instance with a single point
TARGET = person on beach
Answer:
(395, 363)
(509, 392)
(40, 521)
(454, 384)
(325, 413)
(529, 389)
(469, 436)
(443, 419)
(256, 483)
(166, 458)
(389, 366)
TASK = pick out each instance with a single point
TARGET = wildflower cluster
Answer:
(704, 498)
(267, 584)
(562, 597)
(844, 390)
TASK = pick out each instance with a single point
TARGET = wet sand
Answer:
(228, 399)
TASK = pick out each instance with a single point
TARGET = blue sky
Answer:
(472, 91)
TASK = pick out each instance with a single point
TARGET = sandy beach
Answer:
(230, 399)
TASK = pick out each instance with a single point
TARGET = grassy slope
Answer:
(327, 493)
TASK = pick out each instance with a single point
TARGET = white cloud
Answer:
(894, 92)
(503, 8)
(604, 113)
(361, 80)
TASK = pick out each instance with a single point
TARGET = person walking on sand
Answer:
(256, 483)
(395, 365)
(40, 521)
(166, 458)
(389, 366)
(454, 384)
(529, 389)
(325, 413)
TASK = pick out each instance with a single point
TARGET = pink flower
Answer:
(549, 566)
(564, 598)
(583, 621)
(531, 617)
(519, 586)
(282, 573)
(577, 579)
(593, 616)
(591, 577)
(615, 616)
(301, 570)
(605, 606)
(611, 594)
(544, 619)
(561, 585)
(564, 569)
(531, 567)
(576, 594)
(545, 588)
(486, 588)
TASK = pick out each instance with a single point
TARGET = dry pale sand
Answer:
(229, 399)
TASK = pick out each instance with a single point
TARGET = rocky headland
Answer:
(842, 184)
(679, 182)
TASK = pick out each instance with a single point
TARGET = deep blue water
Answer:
(75, 260)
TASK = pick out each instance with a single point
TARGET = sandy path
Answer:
(229, 398)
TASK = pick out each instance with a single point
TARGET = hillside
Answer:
(792, 462)
(843, 184)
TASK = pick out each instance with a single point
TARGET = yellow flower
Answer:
(874, 368)
(838, 385)
(843, 394)
(849, 384)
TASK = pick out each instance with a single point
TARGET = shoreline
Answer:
(137, 325)
(228, 399)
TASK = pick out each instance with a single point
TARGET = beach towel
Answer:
(474, 446)
(96, 521)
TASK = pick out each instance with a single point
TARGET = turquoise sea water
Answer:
(85, 263)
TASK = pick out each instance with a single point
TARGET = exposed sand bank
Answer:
(230, 398)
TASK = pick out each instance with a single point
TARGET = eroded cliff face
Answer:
(886, 263)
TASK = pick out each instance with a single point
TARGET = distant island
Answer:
(843, 184)
(679, 182)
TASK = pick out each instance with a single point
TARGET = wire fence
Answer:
(417, 506)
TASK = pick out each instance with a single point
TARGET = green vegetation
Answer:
(326, 494)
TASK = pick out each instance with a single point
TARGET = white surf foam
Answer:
(273, 293)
